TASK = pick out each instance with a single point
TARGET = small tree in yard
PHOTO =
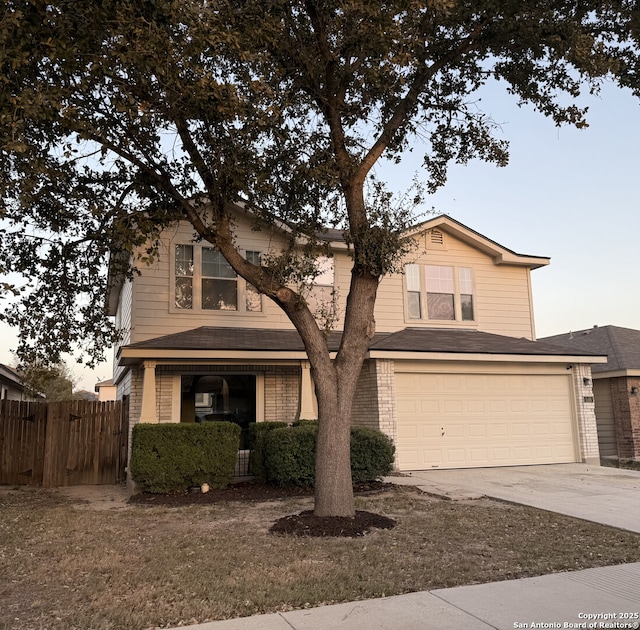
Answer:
(53, 382)
(118, 118)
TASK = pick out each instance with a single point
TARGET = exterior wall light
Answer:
(586, 381)
(634, 391)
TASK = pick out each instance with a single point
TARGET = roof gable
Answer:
(501, 255)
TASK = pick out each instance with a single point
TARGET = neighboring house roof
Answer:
(83, 394)
(410, 340)
(621, 345)
(107, 383)
(9, 374)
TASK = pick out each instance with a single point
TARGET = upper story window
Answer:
(320, 293)
(253, 299)
(446, 291)
(219, 282)
(204, 280)
(184, 276)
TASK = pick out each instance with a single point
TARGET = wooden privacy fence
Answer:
(63, 443)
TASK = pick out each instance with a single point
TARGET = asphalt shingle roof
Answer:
(407, 340)
(621, 345)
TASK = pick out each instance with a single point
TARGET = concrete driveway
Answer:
(610, 496)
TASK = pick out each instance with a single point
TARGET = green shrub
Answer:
(257, 432)
(306, 423)
(169, 457)
(289, 455)
(372, 454)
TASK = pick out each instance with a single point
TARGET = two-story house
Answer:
(453, 375)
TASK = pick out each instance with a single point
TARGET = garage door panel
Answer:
(519, 406)
(429, 406)
(479, 455)
(472, 420)
(452, 406)
(498, 430)
(540, 406)
(520, 429)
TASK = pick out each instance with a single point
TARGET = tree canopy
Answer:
(120, 117)
(53, 383)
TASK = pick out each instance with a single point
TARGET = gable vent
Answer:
(436, 237)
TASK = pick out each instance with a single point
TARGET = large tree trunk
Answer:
(335, 388)
(333, 485)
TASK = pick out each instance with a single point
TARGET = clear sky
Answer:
(568, 194)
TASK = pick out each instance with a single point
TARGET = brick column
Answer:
(386, 391)
(586, 408)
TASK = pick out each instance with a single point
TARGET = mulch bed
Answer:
(303, 524)
(248, 491)
(306, 524)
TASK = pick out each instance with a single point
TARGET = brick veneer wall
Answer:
(626, 416)
(374, 403)
(282, 394)
(364, 411)
(164, 397)
(386, 385)
(586, 408)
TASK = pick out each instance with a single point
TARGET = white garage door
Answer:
(473, 420)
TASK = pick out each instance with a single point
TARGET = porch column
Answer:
(148, 412)
(308, 403)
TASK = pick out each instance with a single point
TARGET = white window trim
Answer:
(241, 286)
(457, 300)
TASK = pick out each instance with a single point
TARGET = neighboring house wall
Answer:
(616, 385)
(626, 413)
(107, 392)
(11, 387)
(8, 391)
(605, 420)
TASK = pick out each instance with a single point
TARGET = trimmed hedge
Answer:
(289, 455)
(169, 457)
(257, 433)
(372, 454)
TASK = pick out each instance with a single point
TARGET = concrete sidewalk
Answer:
(600, 596)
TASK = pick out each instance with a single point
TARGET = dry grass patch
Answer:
(147, 567)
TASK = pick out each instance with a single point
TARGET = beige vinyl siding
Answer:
(154, 315)
(123, 315)
(502, 298)
(123, 323)
(502, 301)
(604, 418)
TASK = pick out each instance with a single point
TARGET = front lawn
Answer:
(67, 564)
